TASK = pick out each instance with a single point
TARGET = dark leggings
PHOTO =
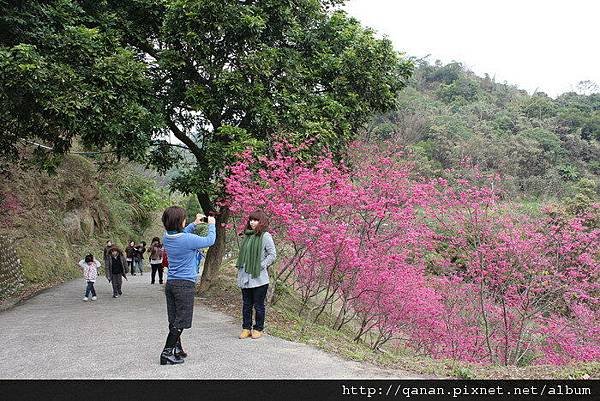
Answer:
(130, 264)
(174, 336)
(157, 267)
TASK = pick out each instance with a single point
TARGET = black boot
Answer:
(179, 350)
(168, 357)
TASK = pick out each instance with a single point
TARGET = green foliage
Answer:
(219, 156)
(221, 76)
(450, 118)
(192, 207)
(503, 122)
(462, 89)
(445, 74)
(580, 114)
(538, 106)
(568, 172)
(463, 372)
(585, 193)
(62, 76)
(136, 197)
(241, 74)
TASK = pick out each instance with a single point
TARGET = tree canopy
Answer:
(233, 74)
(218, 75)
(62, 76)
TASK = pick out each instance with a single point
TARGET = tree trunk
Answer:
(214, 256)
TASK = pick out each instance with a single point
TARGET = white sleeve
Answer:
(271, 252)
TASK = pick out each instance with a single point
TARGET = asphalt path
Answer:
(57, 335)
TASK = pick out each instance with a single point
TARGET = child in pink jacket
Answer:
(89, 266)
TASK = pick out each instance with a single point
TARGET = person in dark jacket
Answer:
(155, 257)
(115, 269)
(138, 257)
(129, 253)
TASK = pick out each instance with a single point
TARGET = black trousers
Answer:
(254, 298)
(116, 281)
(158, 267)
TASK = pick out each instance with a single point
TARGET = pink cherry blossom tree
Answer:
(444, 266)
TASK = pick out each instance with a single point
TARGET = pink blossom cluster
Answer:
(441, 266)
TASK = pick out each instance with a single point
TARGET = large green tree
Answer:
(231, 74)
(228, 74)
(62, 76)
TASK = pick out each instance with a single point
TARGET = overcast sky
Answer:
(548, 45)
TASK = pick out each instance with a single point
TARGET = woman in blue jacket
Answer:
(182, 246)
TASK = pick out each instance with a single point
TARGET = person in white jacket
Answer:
(89, 265)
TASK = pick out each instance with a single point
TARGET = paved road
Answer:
(57, 335)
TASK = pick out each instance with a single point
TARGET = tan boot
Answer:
(245, 333)
(256, 334)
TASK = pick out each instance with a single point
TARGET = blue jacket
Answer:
(182, 250)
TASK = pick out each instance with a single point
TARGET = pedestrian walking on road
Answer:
(257, 253)
(115, 270)
(89, 265)
(182, 245)
(129, 253)
(138, 257)
(155, 257)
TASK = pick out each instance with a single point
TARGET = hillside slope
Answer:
(48, 222)
(450, 118)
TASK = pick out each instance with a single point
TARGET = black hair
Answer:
(89, 258)
(173, 218)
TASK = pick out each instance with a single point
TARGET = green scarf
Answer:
(251, 253)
